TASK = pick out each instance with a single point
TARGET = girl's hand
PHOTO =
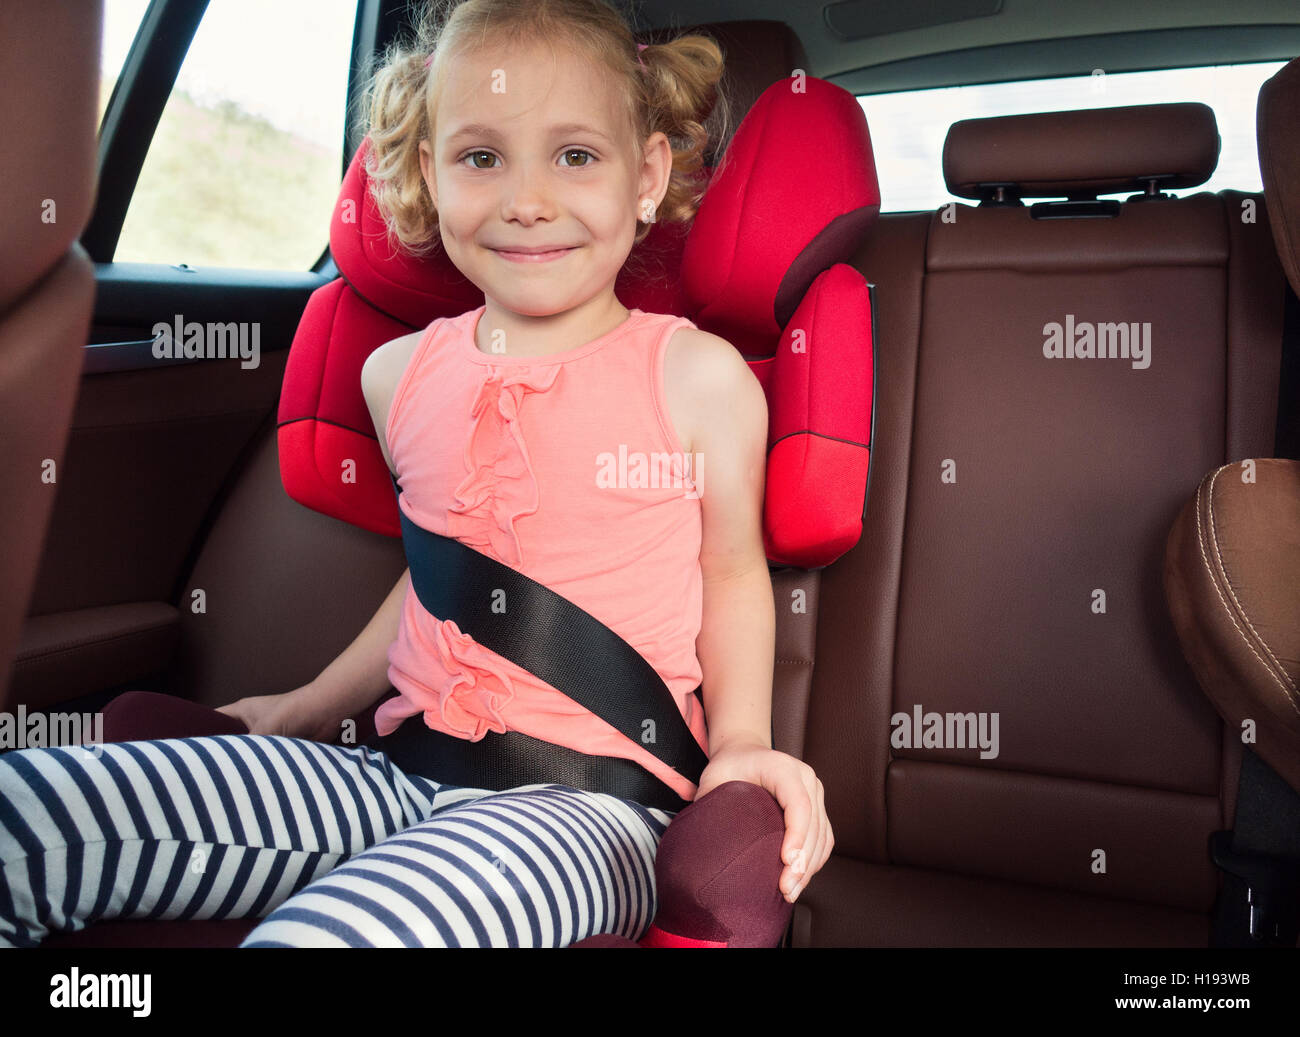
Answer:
(288, 714)
(808, 838)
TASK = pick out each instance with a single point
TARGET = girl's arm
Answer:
(735, 649)
(737, 641)
(360, 674)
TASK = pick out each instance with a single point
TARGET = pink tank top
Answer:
(566, 467)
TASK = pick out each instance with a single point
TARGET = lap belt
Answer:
(565, 646)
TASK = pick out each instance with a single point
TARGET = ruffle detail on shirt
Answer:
(500, 487)
(477, 691)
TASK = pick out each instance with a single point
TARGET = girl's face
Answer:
(530, 151)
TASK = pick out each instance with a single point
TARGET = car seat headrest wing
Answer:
(382, 273)
(767, 267)
(795, 194)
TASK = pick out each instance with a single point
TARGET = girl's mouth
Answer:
(533, 257)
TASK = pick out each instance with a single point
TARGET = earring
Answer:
(647, 210)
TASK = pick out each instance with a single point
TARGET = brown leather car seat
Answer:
(47, 282)
(1011, 561)
(1232, 580)
(1233, 566)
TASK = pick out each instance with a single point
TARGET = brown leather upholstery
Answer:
(1232, 564)
(46, 279)
(852, 903)
(108, 561)
(1232, 577)
(71, 653)
(977, 595)
(276, 568)
(1277, 117)
(1091, 151)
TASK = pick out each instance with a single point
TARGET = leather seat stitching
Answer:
(1200, 541)
(1228, 580)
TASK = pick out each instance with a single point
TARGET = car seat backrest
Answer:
(1017, 576)
(47, 281)
(764, 264)
(1231, 568)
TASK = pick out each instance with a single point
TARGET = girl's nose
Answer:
(527, 197)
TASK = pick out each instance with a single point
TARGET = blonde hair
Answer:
(675, 93)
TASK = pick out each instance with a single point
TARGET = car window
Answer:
(244, 166)
(908, 128)
(122, 20)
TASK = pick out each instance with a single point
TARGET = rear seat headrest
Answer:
(1277, 130)
(1082, 153)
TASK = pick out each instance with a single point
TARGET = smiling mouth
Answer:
(534, 257)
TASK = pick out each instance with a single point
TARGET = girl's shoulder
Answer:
(380, 376)
(384, 366)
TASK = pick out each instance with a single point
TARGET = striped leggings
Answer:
(332, 846)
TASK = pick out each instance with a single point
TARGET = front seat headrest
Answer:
(1277, 130)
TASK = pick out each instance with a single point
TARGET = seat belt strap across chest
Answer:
(552, 638)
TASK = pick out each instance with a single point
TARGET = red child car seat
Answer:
(764, 265)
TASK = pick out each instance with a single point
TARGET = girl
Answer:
(534, 139)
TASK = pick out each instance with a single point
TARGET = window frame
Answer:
(144, 87)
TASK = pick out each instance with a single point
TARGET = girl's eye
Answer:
(471, 155)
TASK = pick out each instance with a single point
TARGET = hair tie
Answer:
(429, 60)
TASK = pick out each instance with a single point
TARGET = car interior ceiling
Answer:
(949, 601)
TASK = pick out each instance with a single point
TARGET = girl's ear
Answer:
(657, 168)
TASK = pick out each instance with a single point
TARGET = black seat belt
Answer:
(563, 645)
(1259, 904)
